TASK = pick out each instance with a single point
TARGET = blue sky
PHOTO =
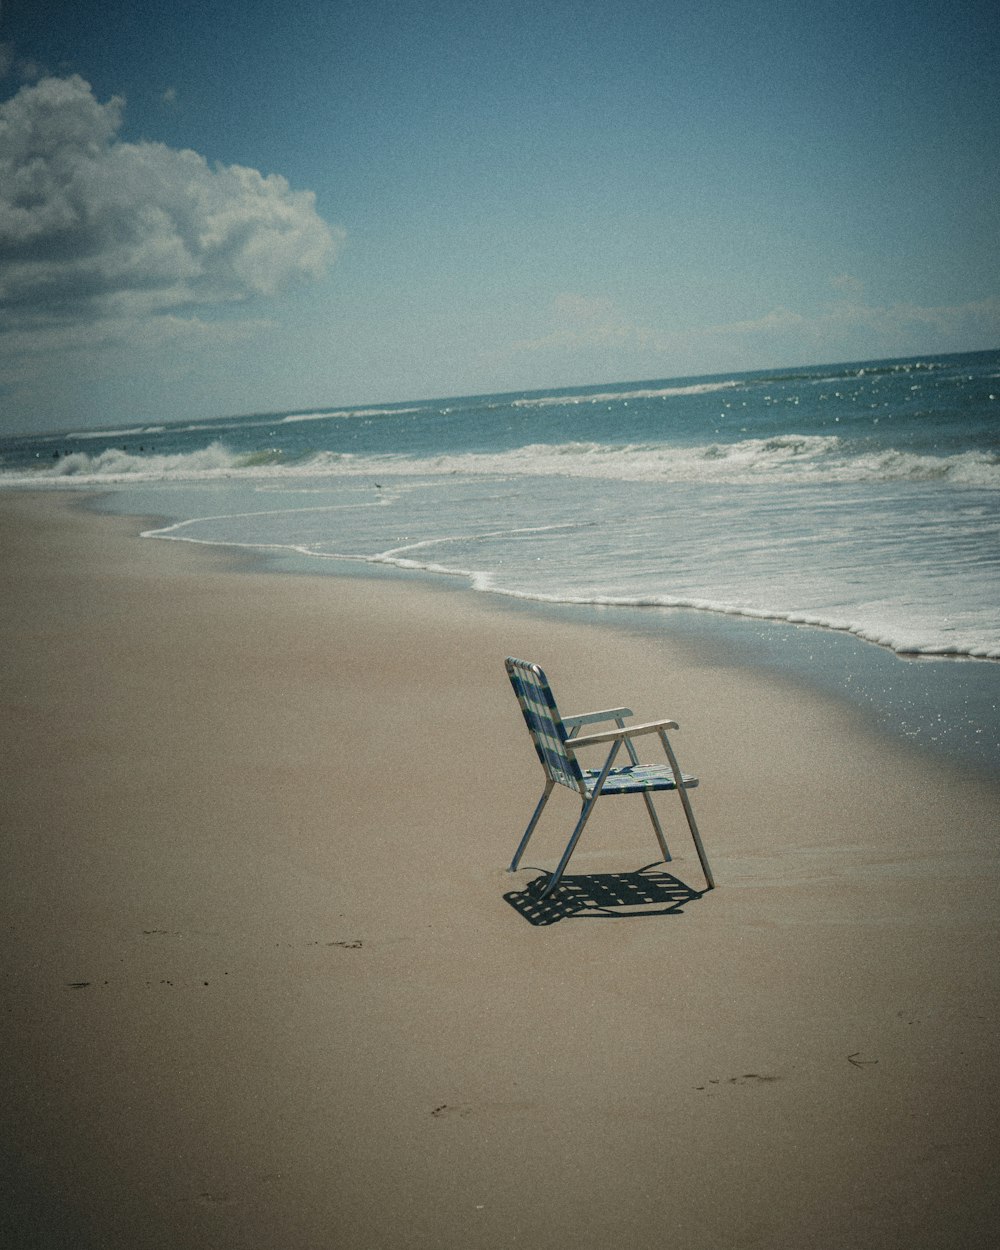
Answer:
(210, 209)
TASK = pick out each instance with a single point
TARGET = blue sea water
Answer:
(862, 498)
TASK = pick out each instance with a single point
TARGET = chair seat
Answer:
(637, 778)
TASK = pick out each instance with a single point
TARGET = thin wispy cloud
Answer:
(588, 323)
(848, 285)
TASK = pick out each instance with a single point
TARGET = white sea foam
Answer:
(114, 465)
(605, 397)
(344, 413)
(754, 556)
(786, 458)
(117, 467)
(903, 640)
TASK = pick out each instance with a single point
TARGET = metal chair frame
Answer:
(557, 740)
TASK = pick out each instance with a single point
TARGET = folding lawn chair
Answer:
(557, 742)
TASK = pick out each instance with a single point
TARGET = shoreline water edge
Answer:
(946, 706)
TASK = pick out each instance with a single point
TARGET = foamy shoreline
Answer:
(947, 706)
(263, 987)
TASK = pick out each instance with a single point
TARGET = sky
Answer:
(210, 209)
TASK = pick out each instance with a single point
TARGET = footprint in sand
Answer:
(446, 1110)
(214, 1201)
(748, 1078)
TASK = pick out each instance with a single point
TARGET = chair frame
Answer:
(557, 740)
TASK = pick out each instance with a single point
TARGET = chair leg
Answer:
(696, 836)
(657, 828)
(556, 877)
(588, 807)
(648, 798)
(549, 785)
(688, 810)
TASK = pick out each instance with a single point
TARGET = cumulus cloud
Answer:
(93, 228)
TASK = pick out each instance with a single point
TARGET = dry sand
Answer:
(261, 986)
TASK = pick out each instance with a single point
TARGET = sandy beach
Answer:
(263, 988)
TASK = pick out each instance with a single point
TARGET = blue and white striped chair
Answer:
(557, 741)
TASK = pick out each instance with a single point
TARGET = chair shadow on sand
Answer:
(604, 896)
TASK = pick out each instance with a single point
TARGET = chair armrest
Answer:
(588, 718)
(629, 731)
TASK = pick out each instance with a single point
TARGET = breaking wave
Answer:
(785, 458)
(345, 413)
(605, 397)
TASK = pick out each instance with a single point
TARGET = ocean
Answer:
(771, 510)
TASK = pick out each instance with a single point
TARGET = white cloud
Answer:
(93, 228)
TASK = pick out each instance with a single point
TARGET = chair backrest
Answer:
(544, 723)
